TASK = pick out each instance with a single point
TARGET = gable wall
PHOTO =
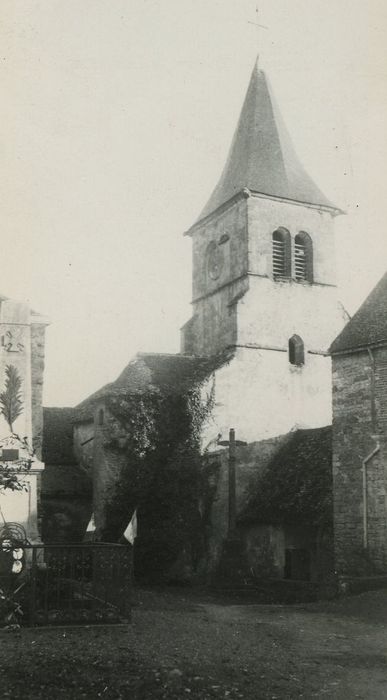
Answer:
(359, 420)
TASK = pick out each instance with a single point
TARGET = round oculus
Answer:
(215, 260)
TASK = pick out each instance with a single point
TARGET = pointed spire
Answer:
(262, 157)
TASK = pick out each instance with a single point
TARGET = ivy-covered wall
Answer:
(65, 504)
(145, 449)
(147, 456)
(292, 499)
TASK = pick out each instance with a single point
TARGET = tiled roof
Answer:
(369, 324)
(162, 370)
(306, 447)
(150, 371)
(262, 157)
(58, 436)
(306, 454)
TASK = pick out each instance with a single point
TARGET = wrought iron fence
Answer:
(73, 584)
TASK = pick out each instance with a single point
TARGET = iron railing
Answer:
(74, 584)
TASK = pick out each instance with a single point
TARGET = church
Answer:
(264, 284)
(265, 312)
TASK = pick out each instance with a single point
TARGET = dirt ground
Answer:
(182, 644)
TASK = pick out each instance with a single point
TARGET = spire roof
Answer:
(262, 157)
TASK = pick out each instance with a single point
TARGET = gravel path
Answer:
(181, 645)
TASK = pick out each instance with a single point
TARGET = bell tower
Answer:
(264, 286)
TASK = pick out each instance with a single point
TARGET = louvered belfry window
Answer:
(280, 252)
(299, 261)
(303, 257)
(278, 256)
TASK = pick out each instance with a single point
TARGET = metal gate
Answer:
(74, 584)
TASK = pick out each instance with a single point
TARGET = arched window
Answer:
(296, 351)
(101, 416)
(303, 257)
(281, 253)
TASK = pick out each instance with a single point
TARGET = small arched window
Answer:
(296, 351)
(303, 257)
(101, 416)
(281, 253)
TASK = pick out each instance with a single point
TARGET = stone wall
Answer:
(84, 445)
(213, 325)
(359, 424)
(246, 311)
(22, 335)
(261, 395)
(229, 226)
(15, 330)
(270, 313)
(66, 504)
(22, 366)
(266, 215)
(263, 546)
(242, 303)
(108, 465)
(251, 462)
(66, 488)
(37, 375)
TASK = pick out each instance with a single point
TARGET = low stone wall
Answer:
(359, 584)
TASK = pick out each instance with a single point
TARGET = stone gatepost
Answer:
(20, 507)
(21, 383)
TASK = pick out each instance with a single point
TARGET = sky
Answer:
(116, 119)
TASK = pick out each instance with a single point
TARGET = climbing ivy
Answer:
(159, 434)
(296, 488)
(12, 473)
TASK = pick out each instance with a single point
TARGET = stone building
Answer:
(99, 438)
(66, 486)
(22, 339)
(265, 311)
(359, 356)
(264, 283)
(265, 297)
(284, 524)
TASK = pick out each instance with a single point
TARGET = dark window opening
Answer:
(281, 253)
(296, 350)
(303, 257)
(297, 564)
(101, 416)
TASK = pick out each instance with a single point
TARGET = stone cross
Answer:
(231, 443)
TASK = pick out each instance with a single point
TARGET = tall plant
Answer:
(11, 399)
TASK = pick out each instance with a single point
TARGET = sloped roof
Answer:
(369, 324)
(175, 371)
(150, 371)
(302, 465)
(57, 445)
(305, 447)
(262, 157)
